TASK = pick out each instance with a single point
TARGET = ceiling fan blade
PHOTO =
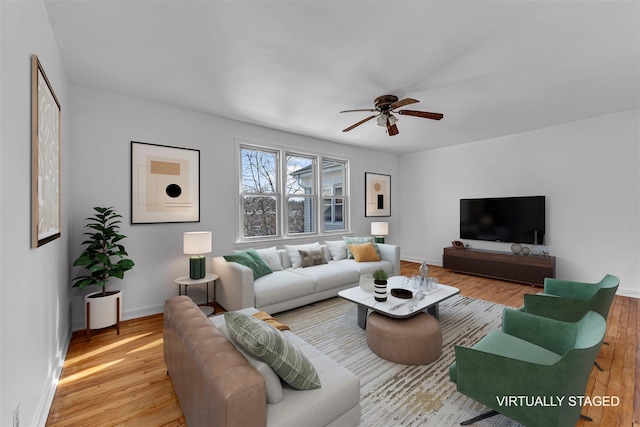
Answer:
(351, 111)
(358, 124)
(392, 128)
(423, 114)
(402, 103)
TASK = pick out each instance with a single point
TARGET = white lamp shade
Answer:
(379, 228)
(197, 242)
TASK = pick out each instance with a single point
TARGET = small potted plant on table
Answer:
(103, 257)
(380, 280)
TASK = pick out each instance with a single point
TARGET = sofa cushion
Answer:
(311, 257)
(294, 255)
(337, 249)
(281, 286)
(328, 276)
(359, 241)
(364, 253)
(268, 344)
(271, 379)
(366, 267)
(271, 257)
(251, 259)
(339, 393)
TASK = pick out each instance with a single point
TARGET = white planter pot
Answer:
(101, 312)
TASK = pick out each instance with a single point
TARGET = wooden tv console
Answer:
(531, 269)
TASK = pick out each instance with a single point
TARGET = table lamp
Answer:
(379, 230)
(197, 243)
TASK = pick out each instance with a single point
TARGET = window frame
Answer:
(282, 197)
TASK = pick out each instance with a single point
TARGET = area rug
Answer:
(400, 395)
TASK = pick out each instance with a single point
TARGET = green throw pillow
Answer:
(251, 259)
(360, 241)
(269, 345)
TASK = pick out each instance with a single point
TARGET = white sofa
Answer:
(294, 287)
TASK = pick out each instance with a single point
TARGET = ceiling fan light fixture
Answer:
(385, 105)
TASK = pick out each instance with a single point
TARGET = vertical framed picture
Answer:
(45, 158)
(165, 184)
(377, 194)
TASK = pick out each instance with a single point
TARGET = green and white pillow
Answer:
(271, 379)
(268, 344)
(359, 241)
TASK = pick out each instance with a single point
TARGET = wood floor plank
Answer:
(121, 380)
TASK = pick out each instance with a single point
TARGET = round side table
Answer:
(186, 281)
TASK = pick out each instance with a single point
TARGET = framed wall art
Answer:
(377, 194)
(45, 158)
(165, 184)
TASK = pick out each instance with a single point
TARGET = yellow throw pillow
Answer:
(364, 252)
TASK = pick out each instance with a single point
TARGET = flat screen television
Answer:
(503, 219)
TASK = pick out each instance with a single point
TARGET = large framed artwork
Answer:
(45, 158)
(165, 184)
(377, 194)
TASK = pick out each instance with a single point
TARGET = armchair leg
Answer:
(480, 417)
(596, 363)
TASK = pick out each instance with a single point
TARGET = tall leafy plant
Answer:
(104, 255)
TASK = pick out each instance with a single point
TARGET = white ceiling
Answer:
(492, 68)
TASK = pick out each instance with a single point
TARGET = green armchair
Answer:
(572, 299)
(569, 300)
(533, 371)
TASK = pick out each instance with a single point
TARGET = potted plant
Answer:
(380, 280)
(103, 257)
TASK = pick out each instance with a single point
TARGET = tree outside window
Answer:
(259, 190)
(283, 204)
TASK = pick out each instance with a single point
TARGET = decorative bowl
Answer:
(366, 282)
(401, 293)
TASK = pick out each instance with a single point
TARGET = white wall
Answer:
(34, 295)
(588, 170)
(104, 126)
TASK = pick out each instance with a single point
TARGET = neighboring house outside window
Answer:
(279, 201)
(333, 195)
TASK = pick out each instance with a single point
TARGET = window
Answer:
(282, 198)
(333, 195)
(301, 194)
(259, 192)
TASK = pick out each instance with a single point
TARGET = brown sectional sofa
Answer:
(217, 386)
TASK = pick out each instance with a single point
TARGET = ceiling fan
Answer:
(385, 107)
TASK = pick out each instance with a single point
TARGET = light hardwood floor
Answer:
(121, 380)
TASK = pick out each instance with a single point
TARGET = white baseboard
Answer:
(78, 325)
(623, 292)
(419, 260)
(44, 406)
(628, 292)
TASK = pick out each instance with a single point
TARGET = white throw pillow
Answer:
(337, 249)
(294, 256)
(271, 257)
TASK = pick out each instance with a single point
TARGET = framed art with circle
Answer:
(165, 184)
